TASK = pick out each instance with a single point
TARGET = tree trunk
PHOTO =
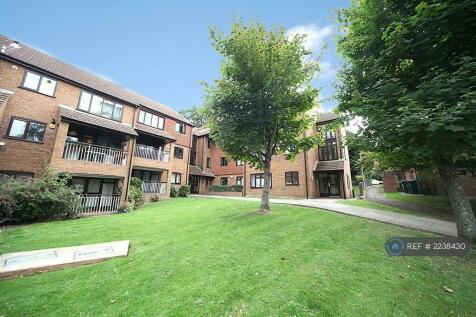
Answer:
(264, 209)
(462, 211)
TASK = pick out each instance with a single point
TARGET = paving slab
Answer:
(30, 262)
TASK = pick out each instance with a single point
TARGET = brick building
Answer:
(86, 126)
(321, 172)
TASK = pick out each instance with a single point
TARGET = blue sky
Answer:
(161, 49)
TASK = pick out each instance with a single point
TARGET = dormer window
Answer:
(99, 106)
(150, 119)
(39, 83)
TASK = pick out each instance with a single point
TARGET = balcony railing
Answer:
(151, 153)
(154, 187)
(94, 153)
(91, 204)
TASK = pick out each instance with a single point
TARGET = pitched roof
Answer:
(329, 166)
(195, 170)
(144, 128)
(84, 117)
(326, 116)
(200, 131)
(33, 57)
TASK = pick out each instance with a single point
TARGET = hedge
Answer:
(226, 188)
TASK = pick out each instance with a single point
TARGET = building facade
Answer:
(320, 172)
(98, 132)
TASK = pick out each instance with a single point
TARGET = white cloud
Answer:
(315, 35)
(327, 71)
(355, 124)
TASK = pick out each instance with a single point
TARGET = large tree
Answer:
(410, 74)
(259, 107)
(198, 115)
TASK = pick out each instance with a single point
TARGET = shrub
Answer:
(184, 191)
(226, 188)
(135, 196)
(155, 198)
(44, 198)
(173, 191)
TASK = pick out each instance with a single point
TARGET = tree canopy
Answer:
(409, 73)
(259, 107)
(197, 115)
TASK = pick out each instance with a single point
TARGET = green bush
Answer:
(135, 196)
(226, 188)
(173, 191)
(44, 198)
(184, 191)
(155, 198)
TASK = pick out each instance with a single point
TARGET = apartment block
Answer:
(323, 171)
(96, 131)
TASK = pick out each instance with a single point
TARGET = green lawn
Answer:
(433, 201)
(210, 257)
(378, 206)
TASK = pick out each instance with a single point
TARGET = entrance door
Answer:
(194, 184)
(329, 184)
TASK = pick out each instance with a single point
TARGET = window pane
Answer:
(17, 129)
(96, 105)
(107, 109)
(78, 185)
(84, 101)
(117, 112)
(161, 123)
(155, 120)
(141, 116)
(31, 81)
(35, 132)
(93, 186)
(47, 86)
(148, 118)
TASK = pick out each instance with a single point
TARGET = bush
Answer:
(173, 191)
(44, 198)
(135, 196)
(184, 191)
(155, 198)
(226, 188)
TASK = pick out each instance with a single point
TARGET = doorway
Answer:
(329, 184)
(194, 184)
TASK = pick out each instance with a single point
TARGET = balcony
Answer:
(151, 153)
(154, 187)
(97, 203)
(94, 153)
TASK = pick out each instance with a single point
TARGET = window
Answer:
(330, 135)
(26, 130)
(224, 181)
(239, 180)
(99, 106)
(239, 163)
(39, 83)
(178, 152)
(193, 158)
(223, 161)
(180, 127)
(291, 178)
(209, 162)
(328, 151)
(257, 180)
(150, 119)
(176, 178)
(209, 142)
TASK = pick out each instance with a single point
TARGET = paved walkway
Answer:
(404, 220)
(375, 193)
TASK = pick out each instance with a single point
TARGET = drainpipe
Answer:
(243, 194)
(305, 174)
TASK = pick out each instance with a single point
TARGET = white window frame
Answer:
(42, 81)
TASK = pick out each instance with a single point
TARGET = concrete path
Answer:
(409, 221)
(375, 193)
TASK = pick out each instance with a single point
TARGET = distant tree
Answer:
(197, 115)
(259, 107)
(410, 73)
